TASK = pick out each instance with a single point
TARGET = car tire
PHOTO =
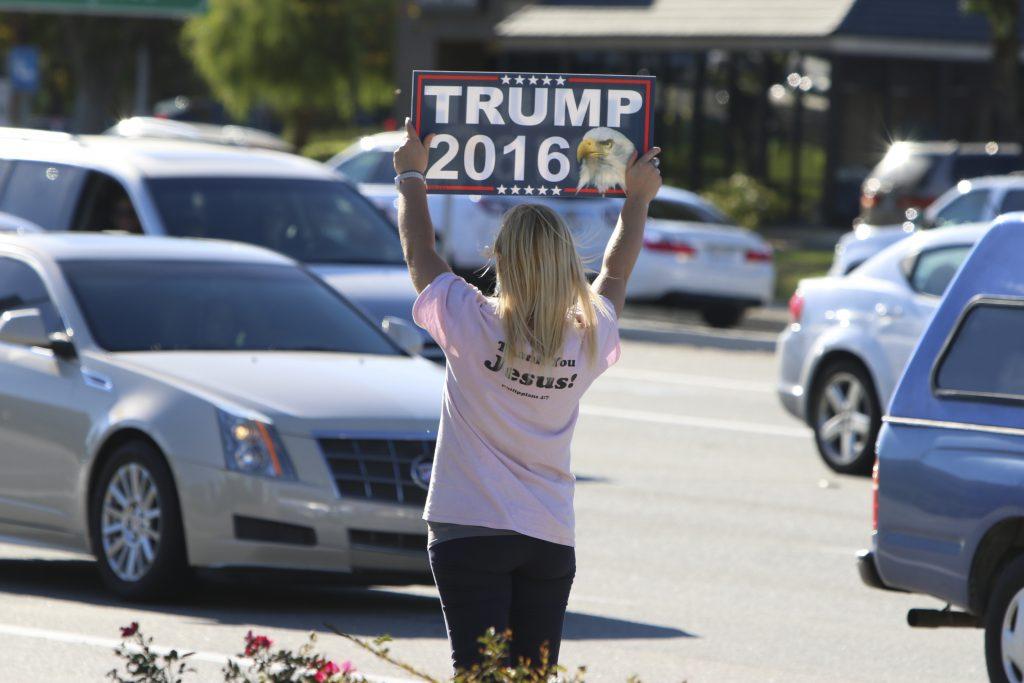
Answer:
(135, 525)
(723, 315)
(845, 419)
(1004, 622)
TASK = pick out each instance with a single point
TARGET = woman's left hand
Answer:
(412, 155)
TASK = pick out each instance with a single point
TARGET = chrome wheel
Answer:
(1012, 639)
(130, 522)
(844, 418)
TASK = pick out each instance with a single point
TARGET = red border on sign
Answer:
(461, 188)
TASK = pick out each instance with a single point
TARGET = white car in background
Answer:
(844, 351)
(183, 188)
(976, 200)
(692, 257)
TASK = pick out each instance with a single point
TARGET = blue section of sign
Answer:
(23, 67)
(539, 134)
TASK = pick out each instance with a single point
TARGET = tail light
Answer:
(869, 201)
(874, 496)
(796, 306)
(759, 255)
(662, 245)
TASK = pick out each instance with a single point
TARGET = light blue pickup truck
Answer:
(949, 480)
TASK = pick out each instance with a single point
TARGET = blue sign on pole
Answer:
(540, 134)
(23, 68)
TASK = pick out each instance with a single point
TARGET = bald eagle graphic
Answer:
(603, 155)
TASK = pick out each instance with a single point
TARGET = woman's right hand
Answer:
(413, 154)
(643, 179)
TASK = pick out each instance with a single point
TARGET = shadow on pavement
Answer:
(360, 611)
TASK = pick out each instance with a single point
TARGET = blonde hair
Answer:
(542, 285)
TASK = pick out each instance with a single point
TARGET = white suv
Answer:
(189, 189)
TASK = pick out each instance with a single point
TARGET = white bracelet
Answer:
(405, 175)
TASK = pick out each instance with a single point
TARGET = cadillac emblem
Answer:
(420, 471)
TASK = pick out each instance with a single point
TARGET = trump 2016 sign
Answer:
(539, 134)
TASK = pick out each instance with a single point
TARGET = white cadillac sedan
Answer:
(693, 256)
(168, 404)
(849, 338)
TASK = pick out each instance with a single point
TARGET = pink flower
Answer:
(347, 667)
(326, 671)
(130, 630)
(254, 644)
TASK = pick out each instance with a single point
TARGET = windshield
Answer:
(313, 221)
(216, 306)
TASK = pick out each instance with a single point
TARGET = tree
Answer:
(298, 57)
(1004, 20)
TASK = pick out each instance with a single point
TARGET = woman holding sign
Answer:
(499, 510)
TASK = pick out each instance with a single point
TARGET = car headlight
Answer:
(252, 446)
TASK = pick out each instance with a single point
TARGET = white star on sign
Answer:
(505, 79)
(546, 80)
(556, 191)
(515, 189)
(533, 80)
(519, 80)
(560, 81)
(542, 190)
(501, 189)
(529, 190)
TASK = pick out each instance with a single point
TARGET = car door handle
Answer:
(883, 311)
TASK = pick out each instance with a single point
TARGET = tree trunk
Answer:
(1005, 50)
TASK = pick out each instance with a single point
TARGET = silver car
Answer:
(170, 403)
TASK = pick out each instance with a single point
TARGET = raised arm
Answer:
(642, 182)
(414, 226)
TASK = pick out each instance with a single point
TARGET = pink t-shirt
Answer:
(502, 458)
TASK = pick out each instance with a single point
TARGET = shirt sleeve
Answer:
(446, 308)
(608, 334)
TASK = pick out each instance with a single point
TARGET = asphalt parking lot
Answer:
(712, 546)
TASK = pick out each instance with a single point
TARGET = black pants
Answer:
(508, 582)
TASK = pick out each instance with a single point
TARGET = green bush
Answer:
(322, 150)
(747, 201)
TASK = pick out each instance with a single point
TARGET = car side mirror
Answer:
(403, 333)
(25, 327)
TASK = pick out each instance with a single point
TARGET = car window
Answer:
(1013, 201)
(310, 220)
(21, 287)
(678, 211)
(970, 207)
(105, 205)
(137, 305)
(934, 269)
(985, 357)
(369, 167)
(974, 165)
(41, 192)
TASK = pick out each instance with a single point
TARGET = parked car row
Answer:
(692, 256)
(206, 359)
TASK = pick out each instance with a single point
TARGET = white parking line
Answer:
(698, 422)
(701, 381)
(112, 643)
